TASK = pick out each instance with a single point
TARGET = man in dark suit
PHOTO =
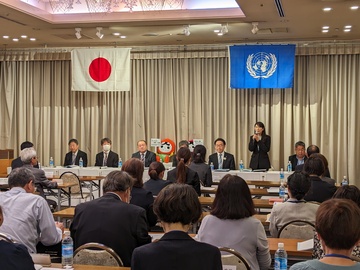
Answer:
(111, 220)
(221, 159)
(73, 157)
(17, 163)
(147, 157)
(300, 155)
(107, 157)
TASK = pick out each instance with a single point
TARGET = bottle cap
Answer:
(67, 232)
(281, 245)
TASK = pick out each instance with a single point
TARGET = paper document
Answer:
(305, 245)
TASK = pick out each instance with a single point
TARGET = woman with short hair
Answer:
(231, 223)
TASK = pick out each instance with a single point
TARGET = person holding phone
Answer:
(259, 145)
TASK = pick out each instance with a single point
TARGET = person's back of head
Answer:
(135, 168)
(349, 192)
(314, 166)
(199, 153)
(27, 155)
(26, 144)
(117, 181)
(20, 177)
(323, 158)
(155, 169)
(298, 185)
(184, 143)
(233, 199)
(312, 149)
(177, 203)
(183, 156)
(338, 223)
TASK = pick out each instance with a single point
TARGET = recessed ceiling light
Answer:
(327, 9)
(23, 36)
(5, 36)
(325, 30)
(220, 34)
(15, 39)
(216, 31)
(122, 36)
(32, 39)
(347, 30)
(347, 27)
(116, 34)
(325, 27)
(354, 7)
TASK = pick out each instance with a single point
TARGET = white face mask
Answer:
(106, 147)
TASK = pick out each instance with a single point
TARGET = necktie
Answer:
(73, 159)
(142, 158)
(220, 161)
(105, 159)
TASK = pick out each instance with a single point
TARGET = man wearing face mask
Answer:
(107, 158)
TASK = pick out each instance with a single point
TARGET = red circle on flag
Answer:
(100, 69)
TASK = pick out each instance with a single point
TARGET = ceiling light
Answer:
(98, 33)
(347, 30)
(15, 39)
(77, 33)
(255, 28)
(354, 7)
(186, 30)
(347, 27)
(5, 36)
(325, 27)
(325, 30)
(122, 36)
(23, 36)
(216, 31)
(327, 9)
(116, 34)
(32, 39)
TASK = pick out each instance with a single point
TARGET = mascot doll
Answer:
(165, 151)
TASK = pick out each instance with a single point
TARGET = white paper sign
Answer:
(229, 267)
(155, 142)
(198, 141)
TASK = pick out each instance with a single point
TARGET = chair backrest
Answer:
(6, 238)
(299, 229)
(96, 254)
(70, 177)
(230, 257)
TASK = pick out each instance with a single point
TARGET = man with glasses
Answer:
(299, 157)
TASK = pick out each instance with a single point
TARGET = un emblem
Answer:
(261, 64)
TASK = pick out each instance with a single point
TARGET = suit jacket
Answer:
(15, 256)
(192, 178)
(17, 163)
(144, 198)
(109, 221)
(228, 161)
(294, 161)
(176, 250)
(320, 190)
(149, 157)
(41, 181)
(260, 158)
(204, 172)
(155, 185)
(112, 160)
(80, 154)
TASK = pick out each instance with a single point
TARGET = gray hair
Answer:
(27, 154)
(117, 181)
(19, 177)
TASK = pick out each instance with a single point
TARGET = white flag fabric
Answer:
(101, 69)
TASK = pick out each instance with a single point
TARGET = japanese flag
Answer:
(100, 69)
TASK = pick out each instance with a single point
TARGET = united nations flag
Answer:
(262, 66)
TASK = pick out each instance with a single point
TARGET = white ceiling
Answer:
(301, 24)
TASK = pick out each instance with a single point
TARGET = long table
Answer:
(290, 245)
(253, 191)
(89, 267)
(258, 203)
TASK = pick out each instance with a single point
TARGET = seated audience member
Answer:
(326, 165)
(140, 196)
(295, 208)
(156, 182)
(27, 217)
(182, 174)
(319, 190)
(73, 157)
(29, 158)
(145, 156)
(111, 220)
(338, 228)
(221, 159)
(198, 165)
(17, 163)
(230, 223)
(177, 207)
(299, 157)
(313, 149)
(183, 143)
(14, 255)
(107, 157)
(344, 192)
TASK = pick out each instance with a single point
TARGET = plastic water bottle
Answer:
(344, 182)
(120, 163)
(282, 176)
(212, 166)
(241, 166)
(289, 166)
(280, 258)
(67, 248)
(51, 162)
(81, 163)
(282, 186)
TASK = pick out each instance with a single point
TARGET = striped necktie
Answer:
(73, 159)
(142, 157)
(220, 161)
(105, 159)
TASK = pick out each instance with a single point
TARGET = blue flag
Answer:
(262, 66)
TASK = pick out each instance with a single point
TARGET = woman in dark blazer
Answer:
(156, 182)
(182, 174)
(177, 206)
(259, 145)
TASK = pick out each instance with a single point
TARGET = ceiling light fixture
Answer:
(186, 30)
(5, 36)
(325, 27)
(23, 36)
(15, 39)
(98, 33)
(122, 36)
(354, 7)
(325, 30)
(327, 9)
(255, 28)
(347, 26)
(32, 39)
(347, 29)
(77, 33)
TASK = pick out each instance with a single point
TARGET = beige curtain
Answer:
(185, 96)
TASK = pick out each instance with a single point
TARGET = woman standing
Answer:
(260, 146)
